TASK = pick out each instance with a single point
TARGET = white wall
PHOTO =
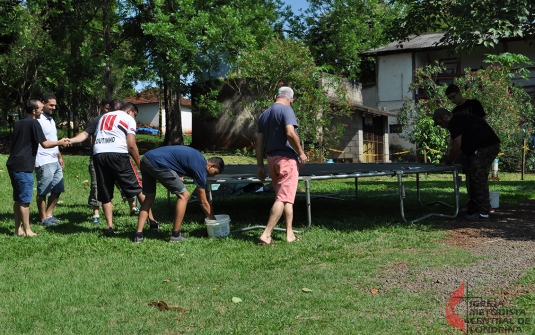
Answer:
(394, 74)
(148, 114)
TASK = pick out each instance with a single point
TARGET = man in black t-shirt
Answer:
(472, 136)
(27, 135)
(465, 106)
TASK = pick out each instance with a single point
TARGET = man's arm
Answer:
(455, 150)
(293, 139)
(132, 148)
(259, 148)
(205, 205)
(51, 144)
(80, 137)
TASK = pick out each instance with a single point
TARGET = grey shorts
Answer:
(49, 179)
(168, 178)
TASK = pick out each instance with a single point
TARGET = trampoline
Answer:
(240, 174)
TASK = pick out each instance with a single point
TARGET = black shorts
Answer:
(114, 168)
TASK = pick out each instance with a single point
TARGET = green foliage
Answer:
(336, 32)
(467, 23)
(245, 153)
(319, 97)
(508, 107)
(195, 37)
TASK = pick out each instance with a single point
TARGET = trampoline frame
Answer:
(240, 174)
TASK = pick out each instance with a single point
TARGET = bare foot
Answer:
(265, 243)
(294, 238)
(20, 232)
(31, 233)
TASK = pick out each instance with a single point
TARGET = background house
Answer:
(148, 104)
(395, 64)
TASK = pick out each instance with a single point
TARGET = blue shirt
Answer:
(183, 160)
(272, 123)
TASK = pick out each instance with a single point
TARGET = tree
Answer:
(22, 56)
(288, 62)
(467, 23)
(337, 31)
(185, 37)
(508, 107)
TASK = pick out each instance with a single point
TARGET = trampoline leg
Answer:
(401, 190)
(309, 207)
(356, 188)
(418, 188)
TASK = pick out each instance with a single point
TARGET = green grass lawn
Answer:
(72, 280)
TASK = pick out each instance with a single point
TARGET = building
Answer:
(148, 104)
(395, 64)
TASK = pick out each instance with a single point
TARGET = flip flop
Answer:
(297, 239)
(265, 244)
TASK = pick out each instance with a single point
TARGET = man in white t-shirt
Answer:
(115, 143)
(49, 166)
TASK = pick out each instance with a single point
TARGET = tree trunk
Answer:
(107, 48)
(173, 117)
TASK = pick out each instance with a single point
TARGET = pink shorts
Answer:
(284, 173)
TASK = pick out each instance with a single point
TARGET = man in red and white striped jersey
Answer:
(115, 143)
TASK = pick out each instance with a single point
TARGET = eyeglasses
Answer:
(131, 111)
(451, 96)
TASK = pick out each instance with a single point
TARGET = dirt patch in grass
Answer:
(505, 247)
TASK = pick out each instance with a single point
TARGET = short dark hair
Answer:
(219, 163)
(117, 105)
(106, 101)
(48, 96)
(128, 106)
(452, 88)
(31, 105)
(439, 113)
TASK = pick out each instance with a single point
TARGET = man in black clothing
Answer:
(27, 135)
(465, 106)
(472, 136)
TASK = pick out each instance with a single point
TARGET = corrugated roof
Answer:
(424, 41)
(150, 97)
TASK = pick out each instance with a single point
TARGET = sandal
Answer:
(265, 244)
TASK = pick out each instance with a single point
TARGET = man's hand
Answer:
(303, 158)
(261, 173)
(65, 142)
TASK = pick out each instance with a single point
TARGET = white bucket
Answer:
(494, 199)
(219, 227)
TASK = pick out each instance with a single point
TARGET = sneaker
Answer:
(108, 232)
(95, 220)
(134, 211)
(54, 219)
(48, 222)
(137, 239)
(491, 210)
(154, 225)
(179, 238)
(477, 217)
